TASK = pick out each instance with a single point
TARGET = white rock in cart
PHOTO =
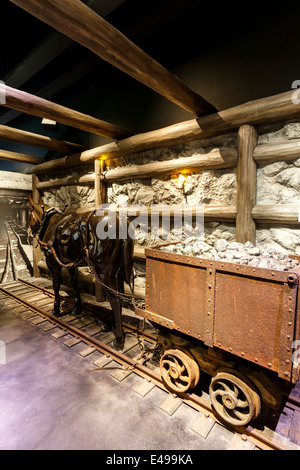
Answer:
(221, 244)
(234, 252)
(254, 251)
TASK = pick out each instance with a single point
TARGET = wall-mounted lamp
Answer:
(182, 179)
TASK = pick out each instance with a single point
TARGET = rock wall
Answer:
(70, 196)
(215, 187)
(13, 180)
(277, 183)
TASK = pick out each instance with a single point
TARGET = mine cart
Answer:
(237, 323)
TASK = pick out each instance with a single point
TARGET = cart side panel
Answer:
(177, 292)
(254, 319)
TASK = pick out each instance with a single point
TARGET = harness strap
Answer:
(85, 253)
(49, 245)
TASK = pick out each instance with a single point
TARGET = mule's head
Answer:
(36, 213)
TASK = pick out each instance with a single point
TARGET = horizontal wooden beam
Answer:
(216, 158)
(19, 157)
(36, 106)
(28, 138)
(211, 212)
(276, 152)
(79, 22)
(88, 179)
(277, 213)
(262, 111)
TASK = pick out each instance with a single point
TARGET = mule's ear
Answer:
(30, 200)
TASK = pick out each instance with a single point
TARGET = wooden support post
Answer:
(246, 185)
(98, 166)
(36, 250)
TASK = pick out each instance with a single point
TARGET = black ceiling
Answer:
(171, 31)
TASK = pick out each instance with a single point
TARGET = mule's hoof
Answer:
(56, 313)
(118, 345)
(105, 327)
(77, 311)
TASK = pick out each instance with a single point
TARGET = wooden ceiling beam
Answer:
(28, 138)
(19, 157)
(268, 110)
(36, 106)
(77, 21)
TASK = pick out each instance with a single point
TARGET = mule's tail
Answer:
(127, 262)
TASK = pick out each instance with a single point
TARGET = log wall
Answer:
(249, 153)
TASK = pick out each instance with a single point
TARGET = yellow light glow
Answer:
(104, 157)
(181, 179)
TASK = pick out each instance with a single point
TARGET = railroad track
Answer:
(34, 303)
(14, 259)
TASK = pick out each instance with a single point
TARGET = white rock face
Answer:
(277, 183)
(13, 180)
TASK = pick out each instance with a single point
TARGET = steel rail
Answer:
(253, 435)
(89, 308)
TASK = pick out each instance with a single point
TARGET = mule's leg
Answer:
(55, 270)
(74, 283)
(116, 307)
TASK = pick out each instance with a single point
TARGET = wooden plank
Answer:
(28, 138)
(211, 212)
(86, 351)
(67, 181)
(216, 158)
(241, 442)
(170, 404)
(262, 111)
(294, 432)
(36, 106)
(278, 213)
(277, 152)
(19, 157)
(143, 387)
(246, 185)
(202, 425)
(77, 21)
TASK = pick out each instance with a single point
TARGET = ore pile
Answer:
(245, 254)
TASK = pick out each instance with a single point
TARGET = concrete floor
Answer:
(51, 400)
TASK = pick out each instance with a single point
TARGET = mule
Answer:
(70, 241)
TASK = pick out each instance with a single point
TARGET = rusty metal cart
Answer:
(236, 323)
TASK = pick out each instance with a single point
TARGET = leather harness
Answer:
(84, 252)
(49, 244)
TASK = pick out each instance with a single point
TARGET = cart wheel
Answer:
(179, 370)
(234, 398)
